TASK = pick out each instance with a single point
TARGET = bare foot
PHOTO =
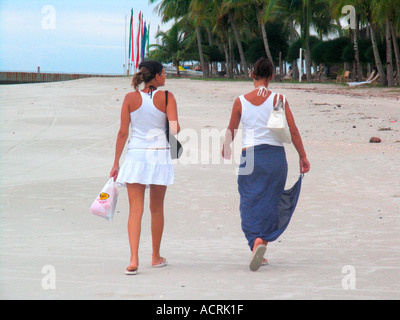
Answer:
(257, 242)
(257, 259)
(133, 265)
(131, 270)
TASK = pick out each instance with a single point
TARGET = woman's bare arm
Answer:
(297, 141)
(232, 129)
(172, 114)
(123, 134)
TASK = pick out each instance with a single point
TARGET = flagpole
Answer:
(138, 42)
(130, 55)
(125, 47)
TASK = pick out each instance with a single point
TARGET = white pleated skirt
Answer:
(146, 166)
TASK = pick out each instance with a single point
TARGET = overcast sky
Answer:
(83, 36)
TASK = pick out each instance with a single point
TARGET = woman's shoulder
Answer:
(132, 95)
(133, 100)
(163, 92)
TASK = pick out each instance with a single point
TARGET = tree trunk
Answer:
(265, 37)
(359, 72)
(389, 56)
(308, 62)
(306, 37)
(292, 39)
(239, 44)
(203, 65)
(378, 60)
(231, 58)
(396, 50)
(178, 72)
(210, 42)
(227, 62)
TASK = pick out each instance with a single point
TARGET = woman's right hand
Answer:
(304, 165)
(226, 152)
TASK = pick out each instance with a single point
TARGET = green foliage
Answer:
(175, 47)
(294, 49)
(223, 26)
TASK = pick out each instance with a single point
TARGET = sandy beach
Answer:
(57, 149)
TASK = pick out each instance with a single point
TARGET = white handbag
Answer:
(277, 122)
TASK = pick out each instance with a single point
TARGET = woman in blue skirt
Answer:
(265, 207)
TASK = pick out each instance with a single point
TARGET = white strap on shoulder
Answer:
(279, 99)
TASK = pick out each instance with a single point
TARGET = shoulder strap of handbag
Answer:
(284, 100)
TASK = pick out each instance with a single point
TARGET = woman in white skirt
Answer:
(148, 159)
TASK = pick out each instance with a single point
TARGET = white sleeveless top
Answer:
(148, 126)
(255, 120)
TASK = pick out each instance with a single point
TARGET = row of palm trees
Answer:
(229, 25)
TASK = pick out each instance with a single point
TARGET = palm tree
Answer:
(222, 29)
(336, 7)
(385, 14)
(264, 8)
(180, 9)
(239, 21)
(300, 12)
(263, 11)
(197, 14)
(176, 46)
(230, 7)
(367, 7)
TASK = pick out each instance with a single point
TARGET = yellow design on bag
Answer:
(104, 196)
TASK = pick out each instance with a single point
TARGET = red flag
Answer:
(138, 40)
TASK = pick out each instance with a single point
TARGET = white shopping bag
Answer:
(106, 201)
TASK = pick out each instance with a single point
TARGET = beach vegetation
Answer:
(334, 37)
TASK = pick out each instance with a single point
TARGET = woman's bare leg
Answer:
(157, 196)
(136, 204)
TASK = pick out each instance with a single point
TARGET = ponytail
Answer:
(137, 80)
(144, 75)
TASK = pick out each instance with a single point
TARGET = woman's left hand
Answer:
(114, 173)
(304, 165)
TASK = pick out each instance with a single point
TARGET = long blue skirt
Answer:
(265, 207)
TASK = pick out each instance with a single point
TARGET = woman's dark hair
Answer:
(148, 71)
(263, 69)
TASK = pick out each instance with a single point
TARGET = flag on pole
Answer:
(148, 41)
(144, 40)
(130, 38)
(138, 40)
(141, 39)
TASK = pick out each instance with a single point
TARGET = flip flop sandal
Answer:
(162, 264)
(264, 263)
(130, 272)
(258, 257)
